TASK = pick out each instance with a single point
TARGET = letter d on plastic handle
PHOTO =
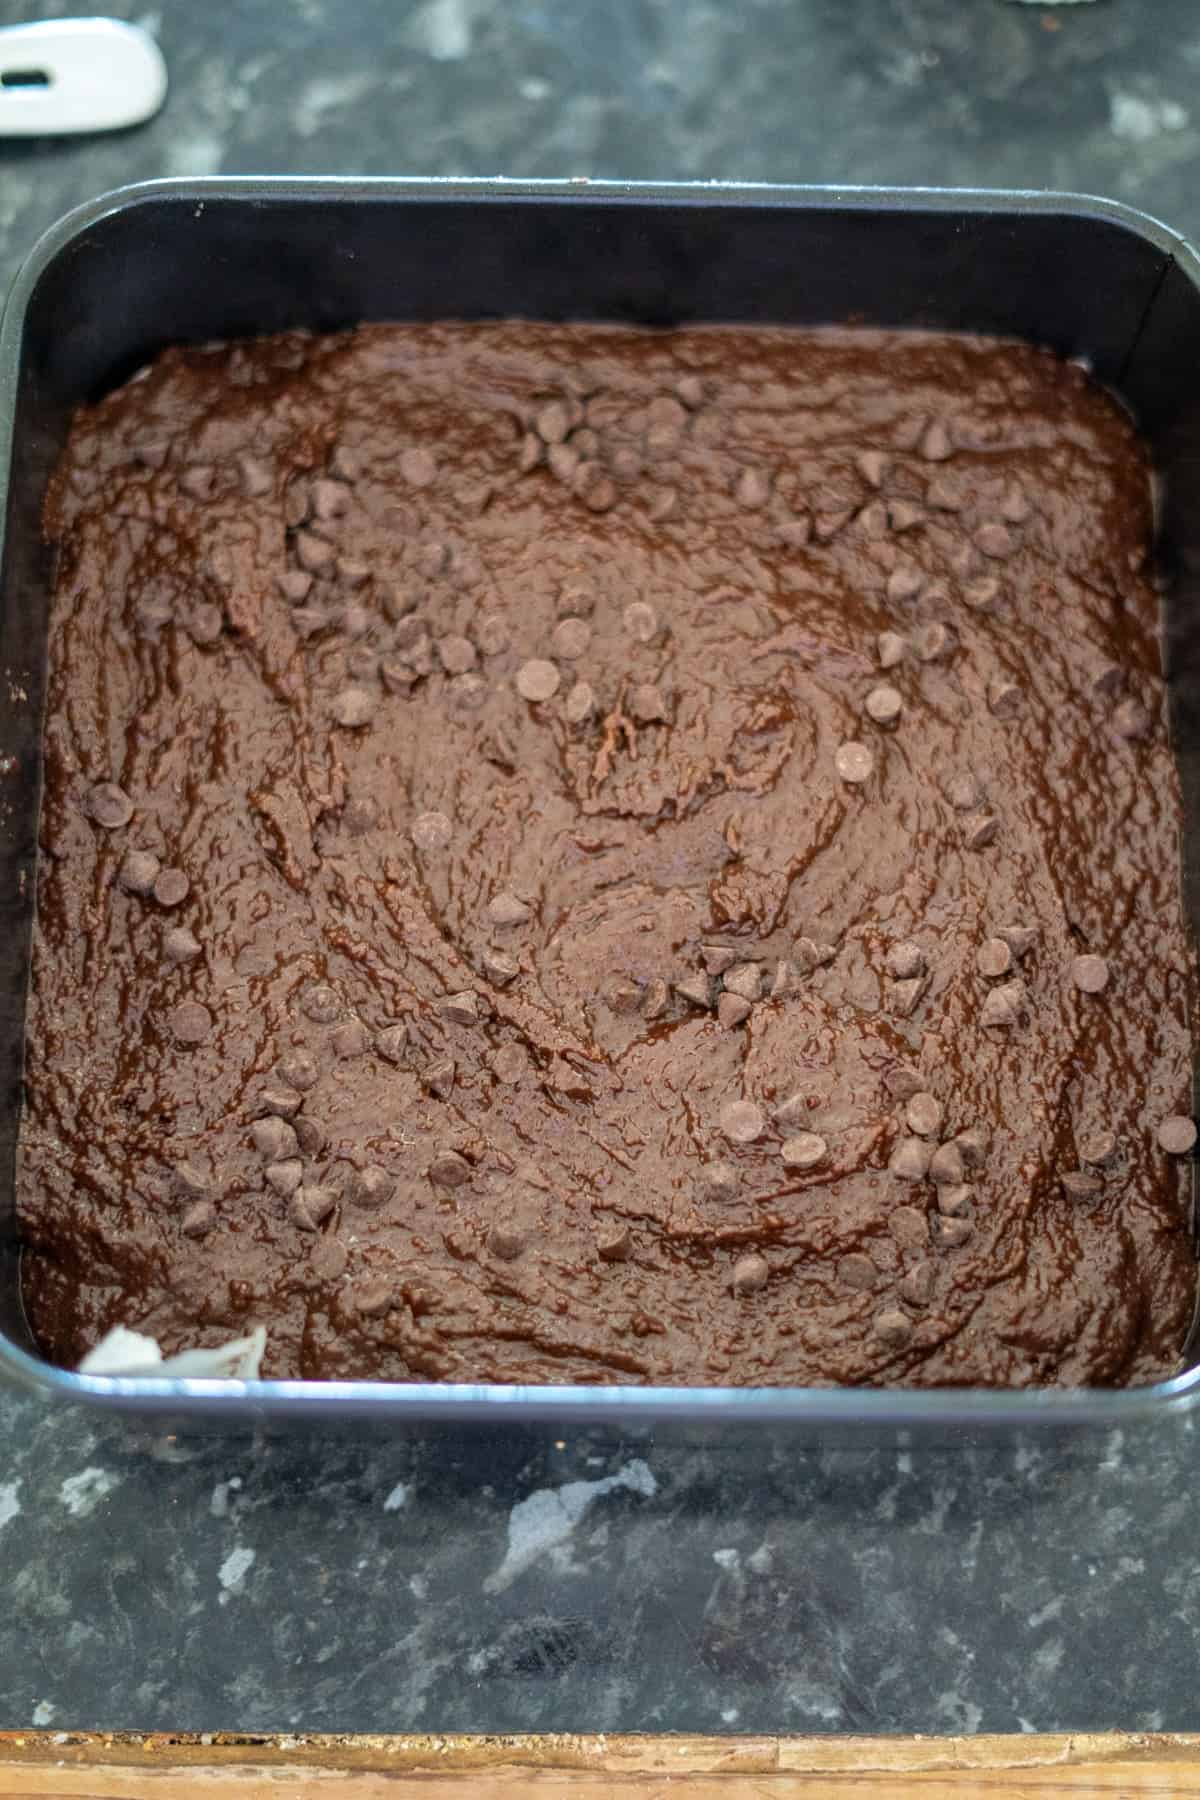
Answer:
(77, 75)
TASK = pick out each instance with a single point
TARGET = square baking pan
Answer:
(186, 261)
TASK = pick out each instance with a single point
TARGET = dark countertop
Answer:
(503, 1584)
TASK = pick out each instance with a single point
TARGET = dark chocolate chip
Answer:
(924, 1113)
(171, 887)
(329, 499)
(563, 461)
(750, 1274)
(717, 958)
(579, 704)
(321, 1005)
(646, 703)
(946, 1167)
(744, 979)
(418, 467)
(854, 762)
(139, 872)
(903, 1082)
(298, 1069)
(742, 1121)
(190, 1023)
(893, 1328)
(431, 831)
(873, 466)
(283, 1102)
(594, 487)
(313, 553)
(916, 1285)
(934, 642)
(109, 806)
(179, 945)
(1014, 506)
(285, 1177)
(656, 999)
(499, 967)
(374, 1298)
(493, 635)
(507, 908)
(614, 1244)
(1081, 1184)
(982, 594)
(509, 1064)
(1130, 719)
(1100, 1149)
(980, 830)
(804, 1151)
(904, 515)
(993, 958)
(1177, 1135)
(204, 624)
(457, 654)
(906, 959)
(570, 638)
(309, 1206)
(1019, 938)
(904, 583)
(1089, 974)
(953, 1199)
(935, 443)
(310, 1134)
(1005, 698)
(752, 488)
(507, 1241)
(329, 1260)
(732, 1011)
(696, 989)
(641, 621)
(910, 1159)
(199, 1219)
(190, 1180)
(354, 707)
(439, 1077)
(392, 1042)
(462, 1008)
(974, 1144)
(909, 1225)
(995, 539)
(1003, 1006)
(905, 996)
(449, 1170)
(857, 1272)
(964, 792)
(884, 704)
(891, 647)
(370, 1187)
(948, 1234)
(553, 422)
(274, 1138)
(537, 680)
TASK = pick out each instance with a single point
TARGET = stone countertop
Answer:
(502, 1583)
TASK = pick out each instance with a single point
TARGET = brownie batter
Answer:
(578, 855)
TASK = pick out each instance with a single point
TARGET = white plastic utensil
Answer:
(77, 75)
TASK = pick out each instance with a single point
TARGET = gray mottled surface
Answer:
(477, 1585)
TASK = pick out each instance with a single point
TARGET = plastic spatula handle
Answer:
(77, 75)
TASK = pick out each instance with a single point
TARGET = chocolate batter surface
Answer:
(578, 855)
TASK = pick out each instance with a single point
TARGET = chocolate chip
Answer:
(857, 1272)
(946, 1167)
(329, 499)
(570, 638)
(948, 1234)
(466, 693)
(563, 460)
(594, 487)
(993, 958)
(935, 443)
(980, 830)
(641, 621)
(204, 624)
(697, 989)
(995, 539)
(1003, 1006)
(744, 979)
(690, 389)
(353, 707)
(910, 1159)
(320, 1004)
(904, 583)
(507, 1241)
(656, 999)
(139, 872)
(964, 792)
(719, 1180)
(398, 604)
(179, 945)
(329, 1260)
(804, 1151)
(916, 1285)
(439, 1077)
(449, 1170)
(1177, 1135)
(344, 464)
(370, 1187)
(553, 422)
(742, 1121)
(457, 654)
(310, 1134)
(109, 806)
(310, 1206)
(953, 1199)
(313, 553)
(717, 958)
(646, 704)
(1081, 1184)
(461, 1008)
(973, 1145)
(945, 494)
(537, 680)
(904, 515)
(509, 1063)
(171, 887)
(752, 488)
(893, 1328)
(299, 1070)
(374, 1298)
(198, 481)
(906, 959)
(1005, 698)
(190, 1023)
(732, 1010)
(1014, 506)
(903, 1082)
(492, 634)
(398, 677)
(199, 1219)
(1130, 719)
(191, 1181)
(274, 1138)
(750, 1274)
(418, 467)
(579, 704)
(795, 533)
(1100, 1149)
(1106, 681)
(905, 996)
(873, 466)
(295, 504)
(392, 1042)
(872, 521)
(884, 704)
(362, 662)
(891, 648)
(285, 1177)
(981, 594)
(360, 815)
(909, 1225)
(1019, 938)
(924, 1113)
(431, 831)
(854, 762)
(934, 642)
(614, 1244)
(507, 908)
(283, 1102)
(499, 967)
(1089, 974)
(308, 620)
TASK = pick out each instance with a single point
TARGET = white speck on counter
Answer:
(81, 1494)
(727, 1559)
(1133, 117)
(548, 1517)
(234, 1570)
(442, 28)
(397, 1499)
(43, 1713)
(10, 1506)
(218, 1506)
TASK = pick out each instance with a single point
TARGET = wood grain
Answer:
(127, 1766)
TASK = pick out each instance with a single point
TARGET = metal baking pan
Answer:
(179, 261)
